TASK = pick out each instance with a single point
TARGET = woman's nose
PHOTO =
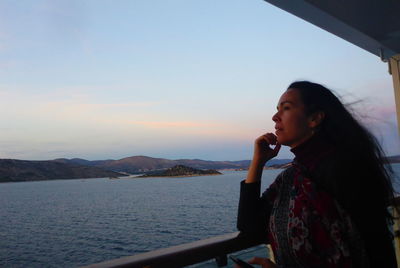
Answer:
(275, 117)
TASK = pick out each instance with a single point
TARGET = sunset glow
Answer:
(172, 79)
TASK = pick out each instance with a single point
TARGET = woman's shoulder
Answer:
(285, 175)
(288, 171)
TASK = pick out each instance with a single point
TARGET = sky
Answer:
(172, 79)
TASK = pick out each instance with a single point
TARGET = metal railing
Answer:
(396, 227)
(212, 248)
(186, 254)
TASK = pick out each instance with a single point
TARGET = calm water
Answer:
(70, 223)
(76, 222)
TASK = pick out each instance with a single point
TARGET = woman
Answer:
(329, 209)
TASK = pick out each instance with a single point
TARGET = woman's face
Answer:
(292, 125)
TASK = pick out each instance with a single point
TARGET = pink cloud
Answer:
(169, 124)
(375, 114)
(385, 111)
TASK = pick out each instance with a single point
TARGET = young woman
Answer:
(329, 209)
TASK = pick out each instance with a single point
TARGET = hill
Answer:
(12, 170)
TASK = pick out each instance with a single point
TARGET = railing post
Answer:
(396, 228)
(394, 70)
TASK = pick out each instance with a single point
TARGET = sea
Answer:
(71, 223)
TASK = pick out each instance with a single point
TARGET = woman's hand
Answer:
(262, 153)
(262, 150)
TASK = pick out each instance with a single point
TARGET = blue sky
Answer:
(171, 79)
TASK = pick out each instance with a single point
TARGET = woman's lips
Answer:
(277, 130)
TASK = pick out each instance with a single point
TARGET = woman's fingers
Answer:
(263, 144)
(269, 138)
(263, 150)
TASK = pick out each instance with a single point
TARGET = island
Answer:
(180, 171)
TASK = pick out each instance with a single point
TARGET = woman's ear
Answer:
(316, 119)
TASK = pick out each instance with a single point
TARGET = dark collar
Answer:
(311, 152)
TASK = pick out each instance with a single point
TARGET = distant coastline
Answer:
(13, 170)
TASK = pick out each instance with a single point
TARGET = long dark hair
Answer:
(362, 177)
(358, 175)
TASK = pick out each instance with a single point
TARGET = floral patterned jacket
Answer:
(305, 226)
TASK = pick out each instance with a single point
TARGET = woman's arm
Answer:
(253, 209)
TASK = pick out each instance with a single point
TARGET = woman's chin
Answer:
(280, 140)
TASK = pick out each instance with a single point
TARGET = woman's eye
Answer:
(286, 108)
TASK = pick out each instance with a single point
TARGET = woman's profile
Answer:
(329, 209)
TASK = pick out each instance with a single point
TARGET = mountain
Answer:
(180, 170)
(140, 164)
(394, 159)
(12, 170)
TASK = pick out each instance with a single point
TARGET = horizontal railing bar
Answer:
(190, 253)
(185, 254)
